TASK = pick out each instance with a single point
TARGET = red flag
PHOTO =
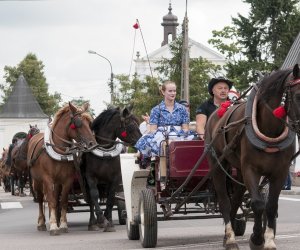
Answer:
(136, 26)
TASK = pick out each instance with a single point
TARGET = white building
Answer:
(20, 111)
(196, 49)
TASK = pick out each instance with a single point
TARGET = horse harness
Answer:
(122, 132)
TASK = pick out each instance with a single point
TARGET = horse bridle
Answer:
(123, 132)
(126, 129)
(293, 124)
(75, 122)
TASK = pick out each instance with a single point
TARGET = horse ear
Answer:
(72, 108)
(85, 106)
(30, 126)
(125, 112)
(296, 71)
(130, 107)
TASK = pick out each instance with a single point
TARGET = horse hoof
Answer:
(42, 228)
(93, 228)
(54, 232)
(232, 246)
(109, 229)
(103, 222)
(63, 230)
(255, 247)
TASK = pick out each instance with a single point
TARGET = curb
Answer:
(294, 191)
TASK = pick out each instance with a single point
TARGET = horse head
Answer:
(116, 123)
(74, 123)
(33, 130)
(129, 126)
(291, 99)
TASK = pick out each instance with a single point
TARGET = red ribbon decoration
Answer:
(279, 112)
(72, 126)
(124, 134)
(223, 108)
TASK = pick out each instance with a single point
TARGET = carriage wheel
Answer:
(132, 231)
(121, 207)
(148, 219)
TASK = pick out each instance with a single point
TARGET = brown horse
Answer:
(4, 170)
(52, 165)
(258, 142)
(19, 168)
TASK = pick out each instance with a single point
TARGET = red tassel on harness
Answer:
(72, 126)
(223, 108)
(136, 26)
(279, 112)
(29, 136)
(124, 134)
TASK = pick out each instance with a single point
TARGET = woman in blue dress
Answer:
(169, 120)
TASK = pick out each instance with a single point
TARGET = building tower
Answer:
(170, 24)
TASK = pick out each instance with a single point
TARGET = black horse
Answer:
(101, 168)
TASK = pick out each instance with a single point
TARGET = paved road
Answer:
(18, 216)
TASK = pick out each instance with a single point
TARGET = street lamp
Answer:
(111, 76)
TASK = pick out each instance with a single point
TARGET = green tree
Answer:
(142, 94)
(32, 70)
(259, 42)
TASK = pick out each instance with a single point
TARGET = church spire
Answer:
(169, 23)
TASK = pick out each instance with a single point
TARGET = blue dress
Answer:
(168, 127)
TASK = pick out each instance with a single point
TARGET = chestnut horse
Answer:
(104, 171)
(257, 138)
(52, 164)
(19, 168)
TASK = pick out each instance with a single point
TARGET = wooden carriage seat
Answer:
(183, 155)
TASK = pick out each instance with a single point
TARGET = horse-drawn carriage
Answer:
(256, 136)
(178, 182)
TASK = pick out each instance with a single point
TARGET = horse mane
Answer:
(66, 109)
(272, 84)
(104, 117)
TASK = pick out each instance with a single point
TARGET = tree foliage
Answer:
(259, 42)
(32, 69)
(142, 94)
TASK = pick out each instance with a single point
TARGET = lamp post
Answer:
(111, 76)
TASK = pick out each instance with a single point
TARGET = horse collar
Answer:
(257, 139)
(50, 151)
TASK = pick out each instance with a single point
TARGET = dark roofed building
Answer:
(19, 112)
(22, 103)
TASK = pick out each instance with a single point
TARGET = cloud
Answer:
(60, 32)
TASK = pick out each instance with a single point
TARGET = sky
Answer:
(60, 33)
